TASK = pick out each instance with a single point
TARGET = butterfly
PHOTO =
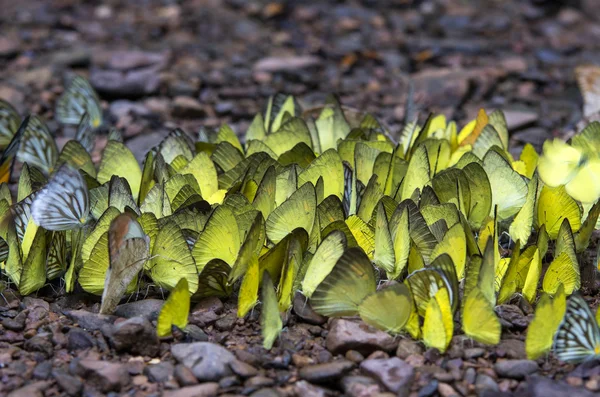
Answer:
(86, 133)
(578, 336)
(128, 248)
(79, 98)
(64, 203)
(175, 311)
(9, 154)
(38, 147)
(9, 122)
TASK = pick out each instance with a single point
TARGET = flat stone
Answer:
(538, 386)
(184, 376)
(393, 373)
(103, 375)
(31, 390)
(515, 369)
(147, 308)
(485, 383)
(211, 303)
(326, 373)
(126, 84)
(40, 343)
(305, 389)
(512, 348)
(88, 320)
(79, 339)
(474, 352)
(42, 370)
(243, 369)
(226, 323)
(359, 386)
(289, 63)
(208, 389)
(187, 107)
(71, 385)
(135, 335)
(347, 335)
(208, 361)
(15, 324)
(159, 373)
(519, 118)
(407, 347)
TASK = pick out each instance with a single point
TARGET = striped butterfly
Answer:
(86, 133)
(578, 336)
(38, 147)
(9, 122)
(7, 159)
(64, 203)
(353, 190)
(79, 98)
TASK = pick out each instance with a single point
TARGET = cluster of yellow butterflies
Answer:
(403, 234)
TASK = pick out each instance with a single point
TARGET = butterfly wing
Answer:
(79, 98)
(64, 203)
(578, 337)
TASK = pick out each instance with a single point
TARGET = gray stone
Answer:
(15, 324)
(393, 373)
(347, 335)
(208, 361)
(515, 369)
(485, 383)
(538, 386)
(42, 370)
(512, 348)
(208, 389)
(289, 63)
(31, 390)
(88, 320)
(79, 339)
(184, 375)
(474, 352)
(211, 303)
(135, 335)
(407, 347)
(325, 373)
(359, 386)
(187, 107)
(31, 302)
(305, 389)
(243, 369)
(226, 323)
(304, 310)
(102, 375)
(159, 373)
(40, 343)
(519, 118)
(71, 385)
(147, 308)
(126, 84)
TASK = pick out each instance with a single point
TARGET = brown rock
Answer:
(393, 373)
(103, 375)
(347, 335)
(208, 389)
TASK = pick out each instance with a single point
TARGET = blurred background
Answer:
(160, 64)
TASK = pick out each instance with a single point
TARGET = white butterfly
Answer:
(578, 336)
(38, 147)
(64, 203)
(79, 98)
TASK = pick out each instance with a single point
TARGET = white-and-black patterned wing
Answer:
(38, 147)
(79, 98)
(578, 336)
(64, 203)
(86, 134)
